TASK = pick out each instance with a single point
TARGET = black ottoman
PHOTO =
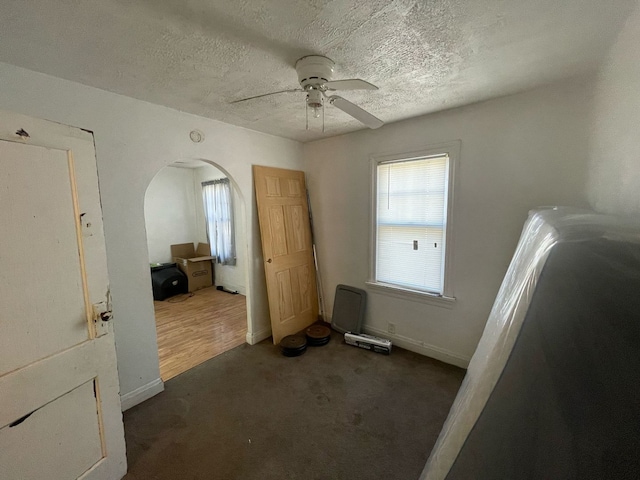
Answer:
(167, 280)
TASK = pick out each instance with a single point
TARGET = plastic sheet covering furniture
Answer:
(553, 389)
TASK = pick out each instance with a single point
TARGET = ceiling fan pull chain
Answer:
(324, 102)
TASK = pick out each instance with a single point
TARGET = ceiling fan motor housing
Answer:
(313, 71)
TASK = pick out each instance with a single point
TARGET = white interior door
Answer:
(60, 408)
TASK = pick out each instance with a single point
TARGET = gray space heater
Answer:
(348, 309)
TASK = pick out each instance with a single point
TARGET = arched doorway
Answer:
(195, 320)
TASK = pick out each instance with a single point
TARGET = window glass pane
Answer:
(400, 264)
(411, 210)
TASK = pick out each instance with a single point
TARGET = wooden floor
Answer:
(193, 328)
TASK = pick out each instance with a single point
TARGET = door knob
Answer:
(101, 312)
(269, 261)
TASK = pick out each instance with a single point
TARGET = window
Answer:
(412, 196)
(218, 209)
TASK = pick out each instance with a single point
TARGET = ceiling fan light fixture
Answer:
(315, 102)
(315, 75)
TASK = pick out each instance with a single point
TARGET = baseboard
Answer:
(234, 288)
(141, 394)
(416, 346)
(237, 288)
(257, 337)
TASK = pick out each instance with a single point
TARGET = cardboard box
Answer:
(194, 263)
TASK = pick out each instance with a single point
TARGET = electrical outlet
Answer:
(391, 327)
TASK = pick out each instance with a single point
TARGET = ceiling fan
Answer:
(315, 75)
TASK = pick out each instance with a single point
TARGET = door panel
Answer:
(286, 246)
(272, 185)
(286, 307)
(39, 249)
(304, 282)
(295, 189)
(278, 232)
(297, 218)
(60, 415)
(68, 436)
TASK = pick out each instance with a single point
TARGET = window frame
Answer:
(447, 298)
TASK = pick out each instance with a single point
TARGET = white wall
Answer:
(518, 152)
(170, 212)
(134, 140)
(614, 173)
(232, 277)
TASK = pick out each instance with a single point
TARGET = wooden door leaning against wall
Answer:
(287, 248)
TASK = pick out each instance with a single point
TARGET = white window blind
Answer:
(411, 222)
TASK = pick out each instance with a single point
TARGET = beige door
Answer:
(286, 246)
(59, 403)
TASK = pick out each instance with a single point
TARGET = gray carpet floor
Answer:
(336, 412)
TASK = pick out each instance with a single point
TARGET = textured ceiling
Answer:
(199, 55)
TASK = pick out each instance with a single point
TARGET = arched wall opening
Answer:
(195, 326)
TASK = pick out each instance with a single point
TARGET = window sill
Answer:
(412, 295)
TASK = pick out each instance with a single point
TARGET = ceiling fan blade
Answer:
(356, 112)
(267, 94)
(351, 84)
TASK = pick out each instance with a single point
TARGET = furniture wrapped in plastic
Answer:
(553, 389)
